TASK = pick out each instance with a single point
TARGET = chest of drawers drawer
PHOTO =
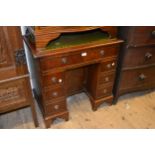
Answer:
(138, 78)
(141, 35)
(139, 56)
(79, 57)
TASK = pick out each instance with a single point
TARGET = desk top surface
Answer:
(74, 39)
(70, 42)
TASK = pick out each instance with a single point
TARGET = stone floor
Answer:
(136, 110)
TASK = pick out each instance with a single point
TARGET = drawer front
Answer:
(138, 78)
(55, 108)
(82, 56)
(104, 91)
(14, 94)
(139, 56)
(106, 78)
(52, 94)
(53, 79)
(143, 35)
(109, 65)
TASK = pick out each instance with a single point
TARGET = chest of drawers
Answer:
(80, 59)
(136, 69)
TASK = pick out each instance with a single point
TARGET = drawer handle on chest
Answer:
(148, 55)
(142, 77)
(56, 107)
(84, 54)
(153, 33)
(64, 60)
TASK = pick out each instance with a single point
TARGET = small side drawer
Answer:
(78, 57)
(142, 35)
(53, 79)
(104, 91)
(14, 94)
(55, 108)
(108, 65)
(106, 78)
(139, 56)
(52, 94)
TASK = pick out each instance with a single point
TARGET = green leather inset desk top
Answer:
(74, 39)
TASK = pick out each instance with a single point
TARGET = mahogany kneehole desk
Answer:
(80, 59)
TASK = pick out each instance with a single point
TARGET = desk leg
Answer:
(49, 120)
(48, 123)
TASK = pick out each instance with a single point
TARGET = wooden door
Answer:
(10, 46)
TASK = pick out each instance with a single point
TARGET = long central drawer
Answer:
(79, 57)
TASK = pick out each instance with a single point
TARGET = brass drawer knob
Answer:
(55, 94)
(148, 55)
(64, 60)
(106, 79)
(54, 79)
(102, 52)
(113, 64)
(59, 80)
(108, 65)
(56, 107)
(105, 91)
(142, 77)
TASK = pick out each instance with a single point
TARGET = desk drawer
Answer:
(138, 78)
(82, 56)
(52, 94)
(142, 35)
(104, 90)
(106, 78)
(56, 107)
(108, 65)
(53, 79)
(139, 56)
